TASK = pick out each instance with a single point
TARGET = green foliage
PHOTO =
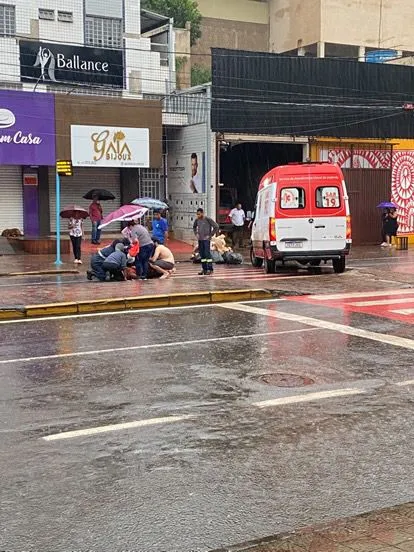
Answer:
(181, 10)
(200, 74)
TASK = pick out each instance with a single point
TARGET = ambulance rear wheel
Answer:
(339, 265)
(269, 266)
(257, 262)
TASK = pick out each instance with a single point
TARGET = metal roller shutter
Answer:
(11, 204)
(83, 179)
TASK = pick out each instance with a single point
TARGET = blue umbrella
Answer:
(387, 205)
(150, 203)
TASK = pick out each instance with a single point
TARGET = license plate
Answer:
(294, 244)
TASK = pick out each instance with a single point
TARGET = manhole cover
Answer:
(285, 380)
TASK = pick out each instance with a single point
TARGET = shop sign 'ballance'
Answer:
(66, 64)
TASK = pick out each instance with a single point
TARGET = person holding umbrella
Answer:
(96, 216)
(389, 222)
(75, 216)
(75, 226)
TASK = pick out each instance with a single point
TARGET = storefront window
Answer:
(103, 31)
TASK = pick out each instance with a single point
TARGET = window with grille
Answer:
(149, 183)
(49, 15)
(103, 31)
(7, 20)
(65, 16)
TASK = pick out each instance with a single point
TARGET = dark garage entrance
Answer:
(242, 166)
(367, 188)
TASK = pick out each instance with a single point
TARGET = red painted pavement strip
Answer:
(405, 301)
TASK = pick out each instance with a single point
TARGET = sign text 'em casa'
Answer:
(27, 128)
(97, 146)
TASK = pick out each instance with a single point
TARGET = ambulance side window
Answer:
(327, 197)
(292, 198)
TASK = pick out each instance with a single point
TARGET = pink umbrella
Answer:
(126, 212)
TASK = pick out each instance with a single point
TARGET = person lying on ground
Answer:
(162, 260)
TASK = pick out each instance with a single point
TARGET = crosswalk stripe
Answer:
(382, 302)
(367, 294)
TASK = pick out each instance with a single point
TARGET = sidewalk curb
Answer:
(129, 303)
(39, 273)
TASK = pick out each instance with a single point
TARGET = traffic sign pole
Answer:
(62, 167)
(58, 256)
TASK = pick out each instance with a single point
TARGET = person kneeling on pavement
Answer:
(97, 271)
(116, 263)
(162, 261)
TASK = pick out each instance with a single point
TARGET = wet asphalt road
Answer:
(229, 472)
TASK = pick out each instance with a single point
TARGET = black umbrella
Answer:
(99, 193)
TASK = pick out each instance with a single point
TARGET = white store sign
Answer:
(109, 146)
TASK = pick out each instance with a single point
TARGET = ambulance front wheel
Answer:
(339, 265)
(257, 262)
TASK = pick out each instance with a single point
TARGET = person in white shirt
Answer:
(237, 217)
(75, 226)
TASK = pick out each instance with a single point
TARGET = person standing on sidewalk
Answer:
(75, 226)
(204, 229)
(96, 216)
(146, 247)
(237, 216)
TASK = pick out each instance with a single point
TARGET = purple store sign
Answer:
(27, 128)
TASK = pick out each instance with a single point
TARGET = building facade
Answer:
(59, 62)
(333, 28)
(295, 101)
(235, 24)
(85, 46)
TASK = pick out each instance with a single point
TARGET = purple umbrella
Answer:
(387, 205)
(126, 212)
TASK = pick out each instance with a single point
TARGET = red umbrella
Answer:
(74, 211)
(126, 212)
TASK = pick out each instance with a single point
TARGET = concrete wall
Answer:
(225, 33)
(183, 57)
(249, 11)
(358, 21)
(292, 23)
(239, 24)
(355, 22)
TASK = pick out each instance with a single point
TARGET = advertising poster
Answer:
(187, 173)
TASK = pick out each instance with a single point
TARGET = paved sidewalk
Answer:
(376, 270)
(390, 530)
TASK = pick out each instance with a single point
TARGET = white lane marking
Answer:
(153, 346)
(404, 383)
(324, 324)
(280, 401)
(115, 427)
(362, 294)
(404, 311)
(382, 302)
(307, 397)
